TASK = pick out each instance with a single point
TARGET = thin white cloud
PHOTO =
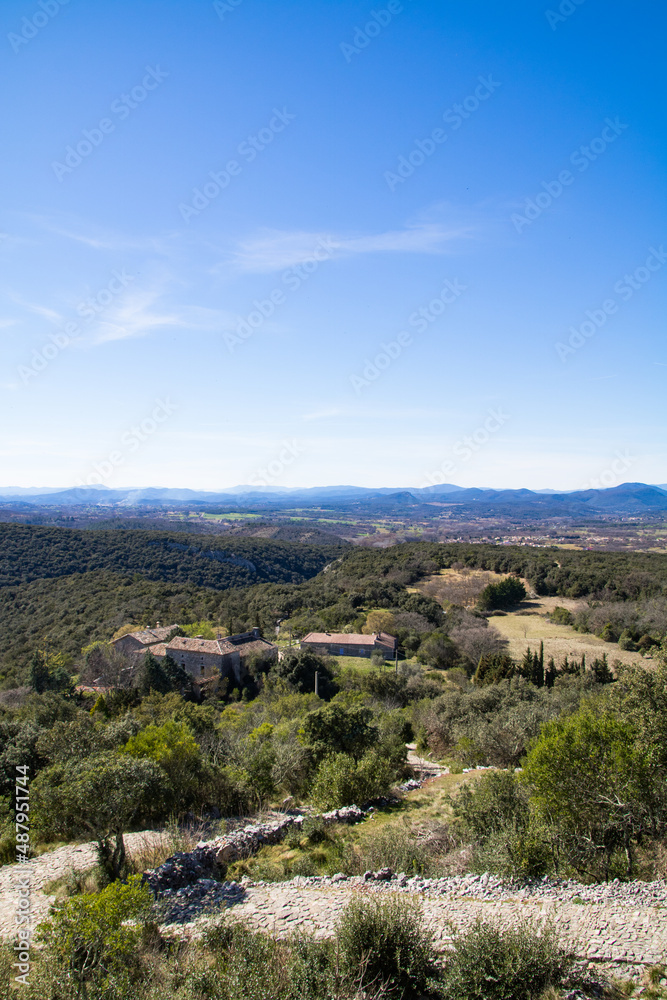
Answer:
(33, 307)
(275, 250)
(139, 313)
(321, 414)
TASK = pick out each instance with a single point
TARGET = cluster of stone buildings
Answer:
(230, 656)
(202, 658)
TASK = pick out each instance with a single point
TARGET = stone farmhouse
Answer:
(137, 643)
(351, 644)
(202, 658)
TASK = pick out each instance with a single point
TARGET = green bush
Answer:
(505, 594)
(89, 937)
(516, 964)
(385, 944)
(561, 616)
(254, 966)
(342, 782)
(493, 802)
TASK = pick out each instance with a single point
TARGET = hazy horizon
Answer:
(5, 490)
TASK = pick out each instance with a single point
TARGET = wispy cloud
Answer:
(142, 311)
(321, 414)
(46, 312)
(76, 230)
(274, 250)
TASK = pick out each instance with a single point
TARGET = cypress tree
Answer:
(550, 673)
(39, 672)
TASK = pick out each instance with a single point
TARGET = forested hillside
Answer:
(67, 613)
(34, 553)
(562, 572)
(84, 585)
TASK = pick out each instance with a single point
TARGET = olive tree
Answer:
(103, 795)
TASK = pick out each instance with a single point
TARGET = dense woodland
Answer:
(32, 553)
(70, 588)
(579, 780)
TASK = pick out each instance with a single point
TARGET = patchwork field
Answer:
(460, 586)
(529, 626)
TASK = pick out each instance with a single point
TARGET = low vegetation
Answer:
(576, 784)
(107, 947)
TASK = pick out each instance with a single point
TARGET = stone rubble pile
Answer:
(192, 867)
(182, 906)
(638, 895)
(410, 785)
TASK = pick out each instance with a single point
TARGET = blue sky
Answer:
(306, 243)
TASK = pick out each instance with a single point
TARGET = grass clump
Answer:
(403, 848)
(492, 964)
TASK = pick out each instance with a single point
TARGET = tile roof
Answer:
(181, 642)
(350, 638)
(149, 636)
(255, 646)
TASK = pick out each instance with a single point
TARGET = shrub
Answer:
(515, 964)
(342, 782)
(496, 800)
(385, 943)
(561, 616)
(88, 935)
(508, 592)
(507, 840)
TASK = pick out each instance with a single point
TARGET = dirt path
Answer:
(47, 868)
(422, 766)
(609, 932)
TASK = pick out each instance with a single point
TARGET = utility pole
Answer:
(396, 663)
(317, 683)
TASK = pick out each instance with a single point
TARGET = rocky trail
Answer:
(623, 925)
(48, 868)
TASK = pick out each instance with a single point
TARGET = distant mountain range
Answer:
(628, 499)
